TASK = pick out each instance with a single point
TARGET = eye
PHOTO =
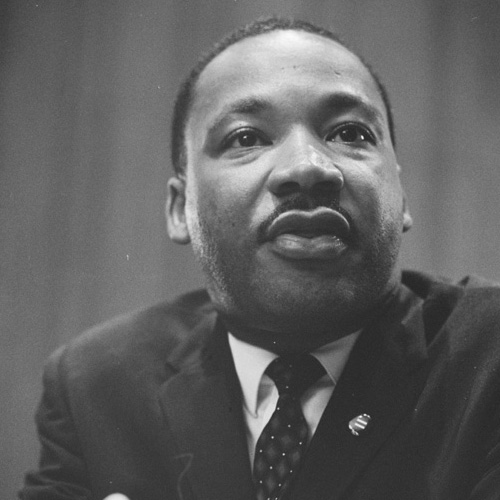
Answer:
(246, 138)
(351, 133)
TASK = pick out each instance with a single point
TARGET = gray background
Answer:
(85, 100)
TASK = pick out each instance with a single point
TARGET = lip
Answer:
(320, 234)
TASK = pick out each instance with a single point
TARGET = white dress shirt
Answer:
(260, 394)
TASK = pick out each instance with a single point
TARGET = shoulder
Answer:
(147, 340)
(470, 293)
(466, 311)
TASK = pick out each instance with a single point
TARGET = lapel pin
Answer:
(359, 424)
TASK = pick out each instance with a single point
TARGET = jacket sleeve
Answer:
(61, 474)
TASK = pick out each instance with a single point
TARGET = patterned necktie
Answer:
(284, 439)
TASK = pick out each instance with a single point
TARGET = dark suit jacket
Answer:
(149, 405)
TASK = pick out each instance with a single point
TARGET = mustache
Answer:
(304, 202)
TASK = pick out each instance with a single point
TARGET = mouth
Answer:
(320, 234)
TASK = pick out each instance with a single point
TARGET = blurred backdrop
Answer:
(86, 90)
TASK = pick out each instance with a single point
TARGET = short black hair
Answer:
(185, 94)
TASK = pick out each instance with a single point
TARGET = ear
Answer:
(175, 211)
(407, 219)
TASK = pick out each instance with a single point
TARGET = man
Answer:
(287, 186)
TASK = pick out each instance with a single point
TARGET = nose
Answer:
(303, 167)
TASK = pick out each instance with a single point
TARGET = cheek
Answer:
(379, 177)
(224, 191)
(217, 206)
(376, 193)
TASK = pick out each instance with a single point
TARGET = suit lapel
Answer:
(382, 378)
(202, 407)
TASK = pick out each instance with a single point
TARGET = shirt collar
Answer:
(251, 361)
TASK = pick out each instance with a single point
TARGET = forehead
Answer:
(284, 62)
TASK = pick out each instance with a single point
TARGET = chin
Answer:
(263, 295)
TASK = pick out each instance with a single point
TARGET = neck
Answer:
(305, 339)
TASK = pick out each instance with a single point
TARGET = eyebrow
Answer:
(343, 101)
(245, 106)
(338, 102)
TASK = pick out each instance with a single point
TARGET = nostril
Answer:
(288, 188)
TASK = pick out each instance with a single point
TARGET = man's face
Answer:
(292, 199)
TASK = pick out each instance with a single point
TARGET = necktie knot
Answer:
(294, 374)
